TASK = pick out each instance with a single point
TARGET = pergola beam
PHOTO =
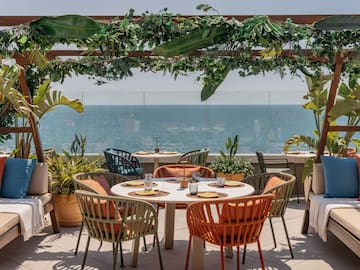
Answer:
(298, 19)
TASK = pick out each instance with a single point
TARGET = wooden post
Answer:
(330, 104)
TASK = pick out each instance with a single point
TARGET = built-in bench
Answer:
(10, 222)
(343, 221)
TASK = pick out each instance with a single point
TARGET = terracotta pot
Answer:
(67, 210)
(232, 176)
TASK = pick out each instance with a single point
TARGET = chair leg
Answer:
(145, 247)
(287, 237)
(222, 258)
(238, 257)
(188, 253)
(115, 251)
(159, 251)
(121, 255)
(260, 255)
(157, 214)
(272, 232)
(79, 236)
(86, 252)
(244, 253)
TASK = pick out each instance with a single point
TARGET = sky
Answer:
(156, 88)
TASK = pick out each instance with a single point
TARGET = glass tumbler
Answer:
(148, 181)
(220, 181)
(193, 188)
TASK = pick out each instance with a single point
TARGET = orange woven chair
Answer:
(182, 170)
(228, 223)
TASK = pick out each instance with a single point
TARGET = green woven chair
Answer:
(282, 191)
(105, 223)
(80, 184)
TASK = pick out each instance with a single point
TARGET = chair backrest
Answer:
(261, 161)
(82, 180)
(229, 222)
(195, 157)
(281, 185)
(122, 162)
(182, 170)
(105, 222)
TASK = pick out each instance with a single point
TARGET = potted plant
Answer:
(61, 168)
(229, 165)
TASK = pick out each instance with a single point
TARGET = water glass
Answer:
(193, 188)
(220, 181)
(148, 181)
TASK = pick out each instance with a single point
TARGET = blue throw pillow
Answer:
(17, 177)
(341, 177)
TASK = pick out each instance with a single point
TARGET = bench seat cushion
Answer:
(349, 218)
(7, 221)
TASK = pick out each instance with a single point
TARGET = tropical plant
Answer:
(44, 100)
(229, 163)
(347, 105)
(63, 166)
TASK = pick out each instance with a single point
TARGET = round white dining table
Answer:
(175, 194)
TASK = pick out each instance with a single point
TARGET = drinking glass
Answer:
(148, 181)
(195, 176)
(193, 188)
(220, 181)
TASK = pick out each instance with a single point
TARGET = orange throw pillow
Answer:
(104, 183)
(2, 167)
(180, 171)
(96, 186)
(273, 182)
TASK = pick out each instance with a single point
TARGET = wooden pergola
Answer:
(24, 60)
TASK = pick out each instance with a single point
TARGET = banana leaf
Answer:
(67, 26)
(198, 39)
(209, 89)
(338, 22)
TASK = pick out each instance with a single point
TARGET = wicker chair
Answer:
(281, 187)
(104, 222)
(123, 162)
(195, 157)
(182, 170)
(80, 184)
(228, 223)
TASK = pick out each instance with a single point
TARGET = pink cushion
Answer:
(105, 184)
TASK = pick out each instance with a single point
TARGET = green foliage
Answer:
(64, 27)
(229, 163)
(118, 38)
(63, 166)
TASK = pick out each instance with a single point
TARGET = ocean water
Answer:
(177, 127)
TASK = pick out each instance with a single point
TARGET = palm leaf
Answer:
(209, 89)
(68, 26)
(46, 100)
(338, 22)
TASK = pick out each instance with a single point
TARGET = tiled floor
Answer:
(48, 251)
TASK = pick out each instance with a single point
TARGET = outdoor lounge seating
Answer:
(340, 216)
(105, 223)
(11, 226)
(228, 223)
(123, 162)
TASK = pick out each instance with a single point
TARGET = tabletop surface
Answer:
(145, 154)
(178, 195)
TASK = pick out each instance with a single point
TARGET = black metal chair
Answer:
(195, 157)
(123, 162)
